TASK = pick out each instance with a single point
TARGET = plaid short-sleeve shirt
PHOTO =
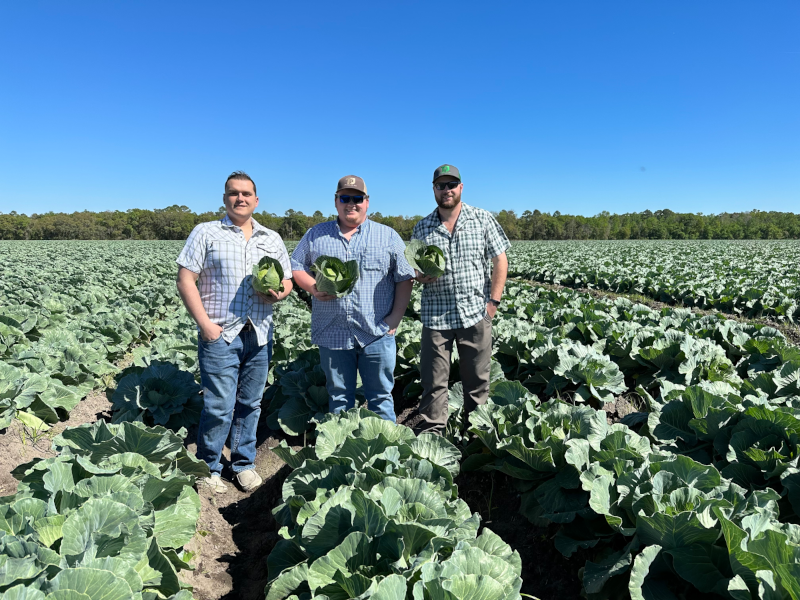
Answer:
(218, 252)
(458, 298)
(358, 317)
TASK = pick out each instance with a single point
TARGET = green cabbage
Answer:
(428, 260)
(159, 394)
(268, 275)
(335, 277)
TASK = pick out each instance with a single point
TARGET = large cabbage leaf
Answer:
(334, 276)
(427, 259)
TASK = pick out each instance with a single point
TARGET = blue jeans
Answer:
(234, 377)
(375, 362)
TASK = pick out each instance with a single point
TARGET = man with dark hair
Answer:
(234, 324)
(458, 307)
(355, 333)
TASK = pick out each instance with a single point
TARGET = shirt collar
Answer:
(465, 215)
(226, 222)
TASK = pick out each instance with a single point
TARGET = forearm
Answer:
(288, 286)
(499, 275)
(304, 280)
(402, 294)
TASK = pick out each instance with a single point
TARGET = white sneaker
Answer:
(214, 483)
(249, 480)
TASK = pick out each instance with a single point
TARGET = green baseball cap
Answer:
(446, 170)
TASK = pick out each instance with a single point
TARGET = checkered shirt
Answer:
(458, 298)
(359, 316)
(218, 252)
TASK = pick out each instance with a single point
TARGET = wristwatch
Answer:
(495, 302)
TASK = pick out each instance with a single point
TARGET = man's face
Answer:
(447, 198)
(351, 214)
(240, 200)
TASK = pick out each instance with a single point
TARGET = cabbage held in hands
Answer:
(428, 260)
(268, 275)
(335, 277)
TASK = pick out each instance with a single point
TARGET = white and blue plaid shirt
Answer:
(358, 317)
(218, 252)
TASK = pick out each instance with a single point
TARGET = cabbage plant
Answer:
(160, 394)
(268, 275)
(334, 276)
(428, 260)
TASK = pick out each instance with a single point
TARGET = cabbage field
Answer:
(746, 278)
(654, 449)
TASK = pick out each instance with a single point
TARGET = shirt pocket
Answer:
(375, 261)
(263, 249)
(223, 257)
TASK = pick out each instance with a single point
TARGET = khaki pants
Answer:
(474, 351)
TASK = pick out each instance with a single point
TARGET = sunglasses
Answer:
(354, 199)
(449, 185)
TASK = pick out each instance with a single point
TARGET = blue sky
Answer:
(576, 106)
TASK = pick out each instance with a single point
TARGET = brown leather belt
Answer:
(247, 326)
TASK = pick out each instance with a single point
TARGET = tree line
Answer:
(176, 222)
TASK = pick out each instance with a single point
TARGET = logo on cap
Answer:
(351, 181)
(446, 169)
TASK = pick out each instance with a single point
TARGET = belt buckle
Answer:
(247, 326)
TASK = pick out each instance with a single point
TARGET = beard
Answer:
(448, 202)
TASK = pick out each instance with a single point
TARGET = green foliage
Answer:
(428, 260)
(159, 394)
(268, 275)
(753, 279)
(372, 512)
(69, 309)
(107, 517)
(335, 277)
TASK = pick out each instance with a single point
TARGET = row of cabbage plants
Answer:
(703, 498)
(371, 511)
(107, 517)
(752, 278)
(567, 344)
(68, 310)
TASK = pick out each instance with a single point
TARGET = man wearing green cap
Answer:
(458, 307)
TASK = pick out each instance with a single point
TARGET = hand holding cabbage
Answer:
(428, 260)
(335, 277)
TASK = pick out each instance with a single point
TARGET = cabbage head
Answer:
(428, 260)
(334, 276)
(160, 394)
(268, 275)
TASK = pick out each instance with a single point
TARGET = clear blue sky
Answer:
(576, 106)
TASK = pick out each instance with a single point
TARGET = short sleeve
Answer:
(193, 255)
(496, 239)
(286, 264)
(301, 254)
(402, 270)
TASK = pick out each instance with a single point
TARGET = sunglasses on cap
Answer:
(448, 185)
(344, 199)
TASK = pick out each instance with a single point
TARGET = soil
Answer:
(237, 531)
(546, 573)
(19, 444)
